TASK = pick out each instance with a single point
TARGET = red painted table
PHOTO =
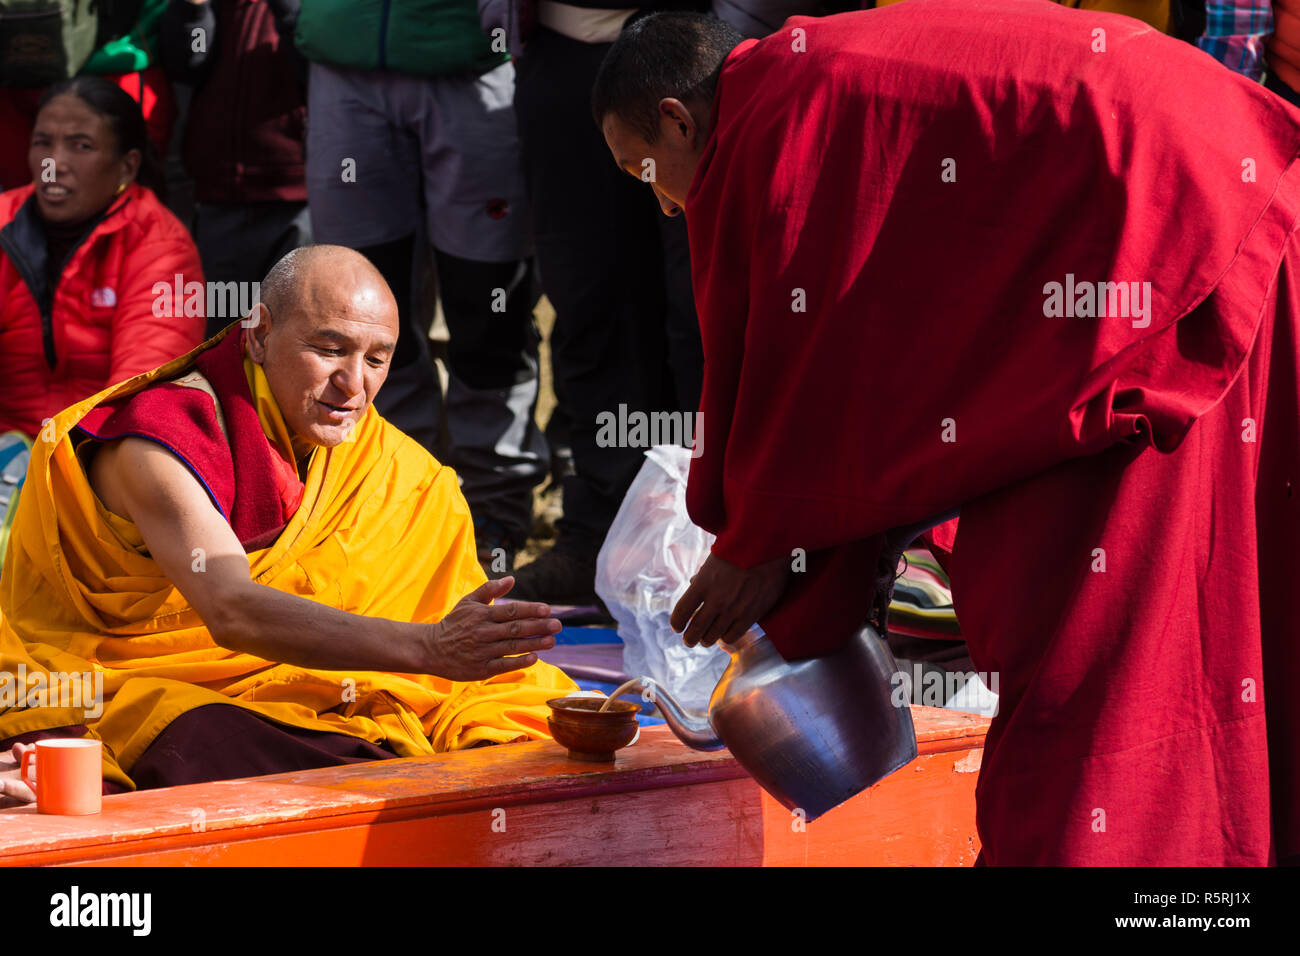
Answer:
(659, 804)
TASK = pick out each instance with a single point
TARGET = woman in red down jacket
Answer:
(81, 249)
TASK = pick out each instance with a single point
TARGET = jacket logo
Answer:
(104, 298)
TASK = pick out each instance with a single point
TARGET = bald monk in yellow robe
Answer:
(259, 572)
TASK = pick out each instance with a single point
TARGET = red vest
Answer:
(252, 486)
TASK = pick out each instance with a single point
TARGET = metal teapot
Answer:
(812, 733)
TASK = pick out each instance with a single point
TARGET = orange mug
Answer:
(67, 775)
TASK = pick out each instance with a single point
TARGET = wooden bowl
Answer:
(578, 725)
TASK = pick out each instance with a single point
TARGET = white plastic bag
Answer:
(645, 565)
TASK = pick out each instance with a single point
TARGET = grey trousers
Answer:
(391, 156)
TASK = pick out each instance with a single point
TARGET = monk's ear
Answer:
(258, 325)
(676, 116)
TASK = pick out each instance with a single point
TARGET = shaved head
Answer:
(295, 275)
(324, 332)
(653, 99)
(662, 56)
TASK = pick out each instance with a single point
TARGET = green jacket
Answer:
(423, 37)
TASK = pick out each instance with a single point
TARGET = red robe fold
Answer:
(890, 212)
(252, 486)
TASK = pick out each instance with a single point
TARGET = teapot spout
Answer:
(693, 730)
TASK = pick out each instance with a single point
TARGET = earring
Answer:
(121, 188)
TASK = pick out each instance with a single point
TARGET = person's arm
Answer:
(14, 791)
(187, 41)
(200, 554)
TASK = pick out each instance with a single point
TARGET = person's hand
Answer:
(477, 640)
(725, 600)
(13, 792)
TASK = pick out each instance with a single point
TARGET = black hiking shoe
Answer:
(556, 577)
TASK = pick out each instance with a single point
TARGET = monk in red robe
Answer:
(1039, 265)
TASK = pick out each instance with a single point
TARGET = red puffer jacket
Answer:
(101, 326)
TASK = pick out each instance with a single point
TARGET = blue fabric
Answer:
(588, 635)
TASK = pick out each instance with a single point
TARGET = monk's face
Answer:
(669, 163)
(327, 354)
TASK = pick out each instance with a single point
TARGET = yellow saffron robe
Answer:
(382, 531)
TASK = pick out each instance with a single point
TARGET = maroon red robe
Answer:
(917, 178)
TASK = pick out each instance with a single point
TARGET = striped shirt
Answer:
(1234, 34)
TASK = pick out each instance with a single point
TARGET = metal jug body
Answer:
(813, 733)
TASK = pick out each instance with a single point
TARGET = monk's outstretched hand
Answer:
(478, 640)
(725, 600)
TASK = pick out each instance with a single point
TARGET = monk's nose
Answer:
(350, 376)
(669, 207)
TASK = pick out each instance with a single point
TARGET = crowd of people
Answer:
(442, 159)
